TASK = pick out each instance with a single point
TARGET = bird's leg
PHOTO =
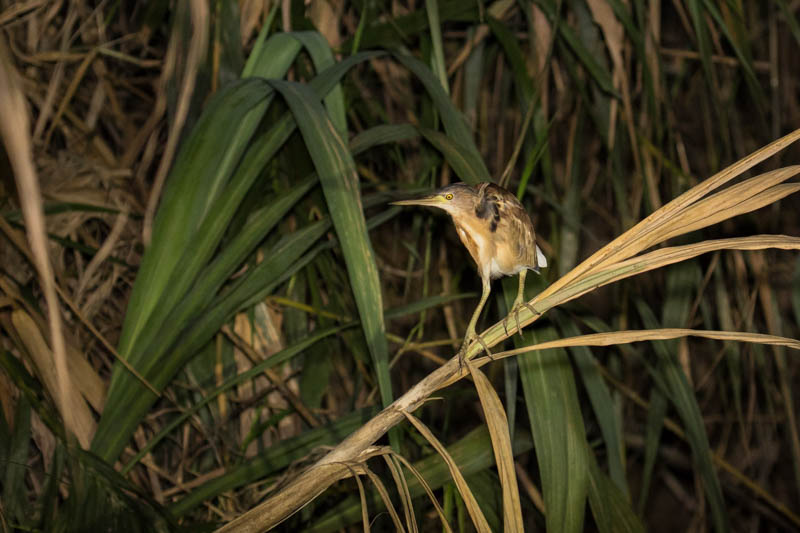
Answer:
(519, 302)
(470, 335)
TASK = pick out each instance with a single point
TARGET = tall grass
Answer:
(243, 338)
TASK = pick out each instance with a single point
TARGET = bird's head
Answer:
(456, 199)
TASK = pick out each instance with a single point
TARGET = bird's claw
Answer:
(462, 352)
(515, 312)
(531, 308)
(485, 348)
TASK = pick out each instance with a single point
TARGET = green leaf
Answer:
(558, 433)
(322, 57)
(201, 196)
(382, 134)
(602, 404)
(464, 162)
(610, 506)
(258, 46)
(254, 286)
(455, 125)
(652, 437)
(15, 465)
(273, 58)
(274, 360)
(437, 61)
(339, 179)
(201, 170)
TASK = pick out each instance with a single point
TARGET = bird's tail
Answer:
(541, 260)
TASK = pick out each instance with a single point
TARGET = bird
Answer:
(498, 233)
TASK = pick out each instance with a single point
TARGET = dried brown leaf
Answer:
(626, 337)
(428, 490)
(478, 520)
(42, 356)
(387, 501)
(497, 422)
(402, 489)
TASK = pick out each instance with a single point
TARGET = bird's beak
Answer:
(433, 200)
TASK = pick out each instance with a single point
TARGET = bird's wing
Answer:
(520, 231)
(511, 222)
(488, 204)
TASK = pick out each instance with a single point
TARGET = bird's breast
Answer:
(478, 244)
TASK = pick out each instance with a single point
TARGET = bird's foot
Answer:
(468, 340)
(515, 311)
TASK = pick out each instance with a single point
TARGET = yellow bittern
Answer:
(498, 234)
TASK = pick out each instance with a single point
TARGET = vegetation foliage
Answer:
(212, 318)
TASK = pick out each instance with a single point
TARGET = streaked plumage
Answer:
(497, 232)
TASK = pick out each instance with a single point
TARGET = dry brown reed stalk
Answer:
(500, 433)
(15, 129)
(613, 262)
(478, 519)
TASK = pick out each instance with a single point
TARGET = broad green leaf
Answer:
(279, 52)
(339, 179)
(200, 171)
(652, 438)
(183, 212)
(558, 433)
(462, 160)
(455, 125)
(382, 134)
(610, 506)
(602, 404)
(166, 321)
(258, 46)
(322, 57)
(274, 57)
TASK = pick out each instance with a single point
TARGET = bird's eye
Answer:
(448, 196)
